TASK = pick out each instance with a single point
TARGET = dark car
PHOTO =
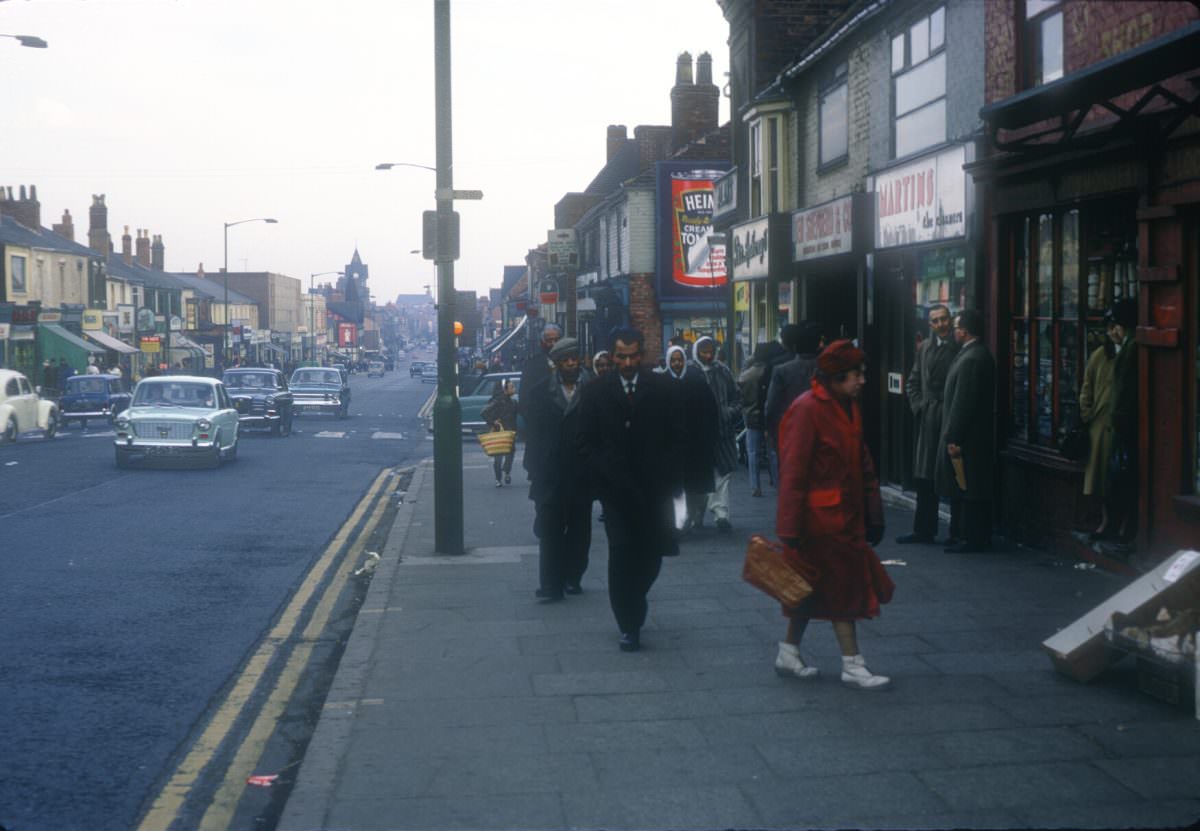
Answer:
(414, 369)
(261, 397)
(320, 389)
(93, 397)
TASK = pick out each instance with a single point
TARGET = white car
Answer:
(176, 417)
(22, 410)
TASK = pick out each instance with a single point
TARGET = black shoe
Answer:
(949, 541)
(914, 539)
(548, 595)
(967, 548)
(723, 525)
(574, 588)
(630, 641)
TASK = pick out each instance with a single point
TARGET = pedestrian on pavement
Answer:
(698, 432)
(729, 409)
(537, 367)
(501, 413)
(49, 375)
(795, 368)
(601, 363)
(559, 487)
(1123, 419)
(1095, 404)
(629, 439)
(752, 415)
(64, 372)
(830, 514)
(968, 433)
(926, 387)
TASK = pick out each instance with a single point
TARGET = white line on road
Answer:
(330, 434)
(379, 434)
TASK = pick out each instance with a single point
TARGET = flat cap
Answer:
(565, 348)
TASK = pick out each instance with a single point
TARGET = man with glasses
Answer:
(925, 386)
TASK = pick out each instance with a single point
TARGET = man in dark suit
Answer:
(537, 367)
(926, 387)
(559, 487)
(790, 379)
(968, 433)
(628, 437)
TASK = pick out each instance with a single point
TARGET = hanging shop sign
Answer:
(741, 297)
(750, 249)
(125, 319)
(690, 263)
(93, 319)
(725, 195)
(151, 343)
(922, 201)
(347, 334)
(823, 231)
(548, 292)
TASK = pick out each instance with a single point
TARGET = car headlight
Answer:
(270, 402)
(204, 424)
(121, 423)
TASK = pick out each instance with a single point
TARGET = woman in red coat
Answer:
(830, 514)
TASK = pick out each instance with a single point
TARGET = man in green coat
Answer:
(1123, 417)
(968, 433)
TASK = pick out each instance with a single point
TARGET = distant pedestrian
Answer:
(1095, 405)
(1123, 419)
(537, 367)
(752, 416)
(830, 514)
(628, 437)
(968, 433)
(64, 372)
(501, 414)
(559, 485)
(49, 375)
(926, 387)
(601, 363)
(785, 379)
(729, 410)
(697, 427)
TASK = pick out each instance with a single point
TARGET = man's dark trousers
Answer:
(564, 532)
(977, 522)
(634, 561)
(925, 521)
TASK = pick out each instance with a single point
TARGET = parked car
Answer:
(320, 389)
(429, 374)
(261, 398)
(93, 397)
(414, 369)
(22, 409)
(177, 417)
(375, 368)
(472, 405)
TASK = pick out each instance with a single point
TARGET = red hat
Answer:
(840, 356)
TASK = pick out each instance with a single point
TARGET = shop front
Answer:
(763, 290)
(18, 336)
(925, 255)
(1082, 221)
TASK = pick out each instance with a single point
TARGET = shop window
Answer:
(1043, 41)
(1065, 274)
(20, 283)
(941, 280)
(919, 85)
(833, 106)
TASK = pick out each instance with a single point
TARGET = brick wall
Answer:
(644, 316)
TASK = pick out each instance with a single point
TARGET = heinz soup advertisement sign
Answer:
(690, 264)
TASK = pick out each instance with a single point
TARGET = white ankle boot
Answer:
(856, 674)
(788, 662)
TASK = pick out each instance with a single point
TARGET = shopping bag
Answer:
(680, 512)
(498, 442)
(772, 569)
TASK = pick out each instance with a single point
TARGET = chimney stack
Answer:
(66, 228)
(26, 209)
(156, 253)
(617, 136)
(694, 106)
(127, 247)
(142, 247)
(98, 238)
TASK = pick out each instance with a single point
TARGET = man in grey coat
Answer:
(725, 457)
(968, 433)
(925, 386)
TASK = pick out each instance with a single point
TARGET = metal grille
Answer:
(251, 406)
(154, 430)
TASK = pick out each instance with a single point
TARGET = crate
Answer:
(1167, 681)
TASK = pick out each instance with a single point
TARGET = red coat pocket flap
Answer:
(824, 498)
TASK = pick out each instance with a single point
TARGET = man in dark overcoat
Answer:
(792, 378)
(968, 433)
(558, 487)
(727, 397)
(1123, 419)
(537, 367)
(629, 440)
(926, 386)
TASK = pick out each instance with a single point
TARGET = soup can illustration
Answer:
(697, 259)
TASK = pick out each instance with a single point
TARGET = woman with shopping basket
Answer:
(501, 413)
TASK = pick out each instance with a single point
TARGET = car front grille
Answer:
(156, 430)
(250, 406)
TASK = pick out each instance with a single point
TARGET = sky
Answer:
(188, 114)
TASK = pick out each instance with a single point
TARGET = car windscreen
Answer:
(87, 385)
(174, 394)
(251, 380)
(317, 376)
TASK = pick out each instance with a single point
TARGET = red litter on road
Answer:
(263, 781)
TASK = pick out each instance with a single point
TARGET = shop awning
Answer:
(109, 342)
(179, 341)
(507, 336)
(71, 338)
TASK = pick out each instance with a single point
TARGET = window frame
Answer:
(21, 287)
(904, 38)
(836, 79)
(1032, 28)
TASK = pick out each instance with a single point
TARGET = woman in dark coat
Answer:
(698, 409)
(501, 413)
(830, 514)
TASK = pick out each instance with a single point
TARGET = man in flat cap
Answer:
(558, 479)
(536, 368)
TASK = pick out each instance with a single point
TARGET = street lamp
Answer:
(312, 325)
(28, 40)
(228, 225)
(390, 165)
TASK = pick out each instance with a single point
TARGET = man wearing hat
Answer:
(1123, 420)
(558, 479)
(968, 433)
(536, 368)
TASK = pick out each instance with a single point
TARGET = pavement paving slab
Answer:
(462, 703)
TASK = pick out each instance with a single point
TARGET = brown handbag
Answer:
(771, 568)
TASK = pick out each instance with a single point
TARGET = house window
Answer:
(756, 168)
(1065, 274)
(919, 84)
(19, 283)
(1043, 41)
(833, 111)
(768, 148)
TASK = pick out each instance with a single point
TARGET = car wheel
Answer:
(123, 458)
(214, 456)
(277, 427)
(231, 453)
(10, 431)
(51, 426)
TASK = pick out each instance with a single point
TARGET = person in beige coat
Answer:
(1095, 402)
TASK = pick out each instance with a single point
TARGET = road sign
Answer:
(562, 249)
(429, 236)
(447, 193)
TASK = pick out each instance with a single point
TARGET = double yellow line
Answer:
(173, 797)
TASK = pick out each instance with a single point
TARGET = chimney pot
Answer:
(683, 69)
(704, 69)
(617, 136)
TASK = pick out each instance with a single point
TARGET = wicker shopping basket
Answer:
(771, 568)
(498, 442)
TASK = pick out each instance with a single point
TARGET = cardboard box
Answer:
(1081, 651)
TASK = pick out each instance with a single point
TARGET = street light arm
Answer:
(32, 41)
(266, 219)
(390, 165)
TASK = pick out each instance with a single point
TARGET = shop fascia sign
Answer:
(750, 249)
(725, 195)
(93, 320)
(823, 231)
(922, 201)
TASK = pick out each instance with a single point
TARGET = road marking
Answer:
(382, 435)
(330, 434)
(170, 801)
